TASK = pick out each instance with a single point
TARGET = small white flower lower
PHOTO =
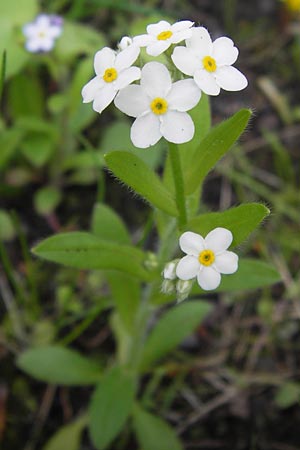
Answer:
(159, 107)
(206, 258)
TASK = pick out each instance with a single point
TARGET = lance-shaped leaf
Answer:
(153, 433)
(241, 221)
(110, 406)
(59, 365)
(107, 225)
(137, 175)
(171, 329)
(251, 274)
(214, 145)
(70, 433)
(83, 250)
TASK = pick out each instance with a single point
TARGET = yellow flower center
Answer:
(110, 75)
(206, 257)
(159, 105)
(42, 34)
(209, 64)
(164, 35)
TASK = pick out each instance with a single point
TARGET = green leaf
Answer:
(80, 114)
(46, 200)
(110, 406)
(7, 229)
(251, 274)
(40, 139)
(37, 148)
(107, 225)
(288, 394)
(176, 324)
(126, 295)
(241, 221)
(136, 174)
(9, 142)
(59, 365)
(67, 435)
(117, 137)
(153, 433)
(215, 144)
(77, 39)
(13, 15)
(85, 251)
(22, 105)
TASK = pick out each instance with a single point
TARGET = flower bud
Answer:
(169, 272)
(183, 288)
(168, 287)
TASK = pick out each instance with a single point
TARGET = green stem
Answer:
(179, 184)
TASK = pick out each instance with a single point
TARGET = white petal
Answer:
(104, 98)
(143, 40)
(90, 90)
(208, 278)
(158, 47)
(29, 29)
(126, 57)
(155, 28)
(181, 25)
(126, 77)
(54, 31)
(224, 51)
(43, 20)
(184, 95)
(145, 131)
(200, 42)
(32, 45)
(104, 59)
(187, 268)
(46, 44)
(177, 127)
(226, 262)
(206, 82)
(218, 240)
(185, 60)
(132, 101)
(181, 36)
(156, 79)
(230, 78)
(191, 243)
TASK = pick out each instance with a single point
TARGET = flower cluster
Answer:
(42, 33)
(206, 259)
(159, 103)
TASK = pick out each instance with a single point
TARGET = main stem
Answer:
(179, 184)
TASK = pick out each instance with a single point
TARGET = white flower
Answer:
(113, 72)
(161, 35)
(159, 106)
(206, 258)
(41, 33)
(210, 62)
